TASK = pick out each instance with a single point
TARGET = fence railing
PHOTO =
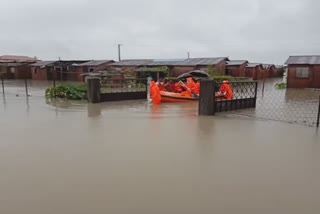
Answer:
(109, 85)
(297, 106)
(244, 96)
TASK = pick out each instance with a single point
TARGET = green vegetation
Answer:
(67, 91)
(214, 74)
(211, 71)
(280, 86)
(161, 69)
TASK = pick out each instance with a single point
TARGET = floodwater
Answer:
(132, 157)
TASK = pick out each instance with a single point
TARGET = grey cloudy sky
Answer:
(257, 30)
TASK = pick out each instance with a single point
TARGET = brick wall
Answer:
(313, 81)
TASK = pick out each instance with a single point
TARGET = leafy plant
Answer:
(67, 91)
(280, 85)
(211, 71)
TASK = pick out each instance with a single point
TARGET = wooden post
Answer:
(93, 92)
(318, 120)
(2, 82)
(206, 101)
(26, 85)
(255, 94)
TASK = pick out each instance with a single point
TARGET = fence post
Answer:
(149, 79)
(318, 120)
(206, 100)
(255, 94)
(263, 87)
(2, 83)
(93, 92)
(26, 85)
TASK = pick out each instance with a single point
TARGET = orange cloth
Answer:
(155, 93)
(226, 90)
(170, 87)
(177, 88)
(190, 84)
(197, 88)
(161, 86)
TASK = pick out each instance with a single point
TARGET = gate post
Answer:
(206, 100)
(93, 92)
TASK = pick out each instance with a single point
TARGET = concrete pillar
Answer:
(206, 100)
(93, 92)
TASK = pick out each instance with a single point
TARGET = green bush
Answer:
(67, 91)
(280, 85)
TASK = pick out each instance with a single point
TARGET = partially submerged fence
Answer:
(298, 106)
(123, 89)
(301, 106)
(105, 89)
(244, 96)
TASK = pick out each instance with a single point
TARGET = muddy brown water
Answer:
(131, 157)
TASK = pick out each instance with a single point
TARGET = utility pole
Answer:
(119, 52)
(188, 53)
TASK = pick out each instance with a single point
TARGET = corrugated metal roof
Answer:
(236, 62)
(178, 62)
(42, 63)
(12, 64)
(95, 62)
(14, 58)
(252, 65)
(203, 61)
(132, 62)
(303, 60)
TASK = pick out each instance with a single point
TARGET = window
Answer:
(302, 72)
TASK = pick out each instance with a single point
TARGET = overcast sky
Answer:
(257, 30)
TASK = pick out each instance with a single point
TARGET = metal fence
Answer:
(296, 106)
(122, 89)
(109, 85)
(29, 87)
(244, 96)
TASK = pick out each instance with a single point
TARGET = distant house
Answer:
(236, 68)
(93, 66)
(43, 70)
(176, 66)
(14, 58)
(303, 71)
(15, 70)
(16, 67)
(254, 71)
(269, 70)
(64, 70)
